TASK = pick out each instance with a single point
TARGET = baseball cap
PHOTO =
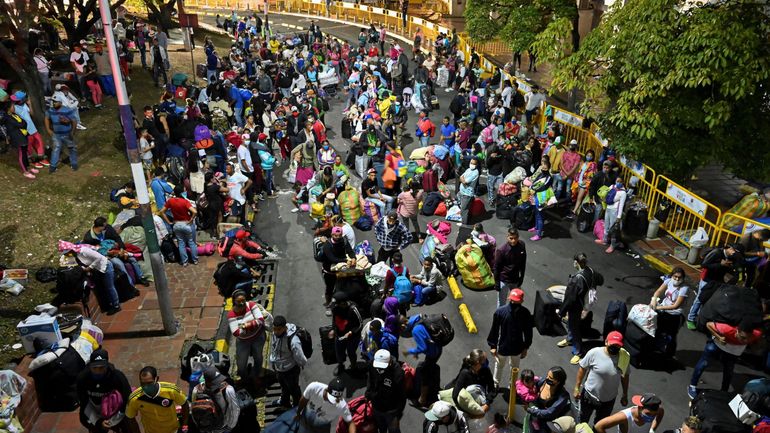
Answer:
(370, 171)
(516, 295)
(18, 96)
(295, 91)
(557, 140)
(246, 137)
(438, 411)
(294, 108)
(336, 388)
(647, 401)
(381, 359)
(615, 338)
(573, 141)
(262, 136)
(99, 358)
(336, 230)
(564, 424)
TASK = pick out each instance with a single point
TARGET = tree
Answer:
(161, 12)
(679, 87)
(77, 26)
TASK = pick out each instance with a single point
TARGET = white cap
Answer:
(573, 141)
(381, 359)
(438, 411)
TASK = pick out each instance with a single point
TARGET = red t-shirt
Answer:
(180, 209)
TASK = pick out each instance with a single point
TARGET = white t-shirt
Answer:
(235, 183)
(244, 154)
(324, 409)
(672, 294)
(144, 144)
(75, 56)
(732, 349)
(349, 234)
(603, 374)
(506, 96)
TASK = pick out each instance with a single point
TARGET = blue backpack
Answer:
(402, 287)
(610, 198)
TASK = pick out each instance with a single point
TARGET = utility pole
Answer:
(124, 108)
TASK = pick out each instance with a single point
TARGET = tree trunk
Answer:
(572, 96)
(21, 62)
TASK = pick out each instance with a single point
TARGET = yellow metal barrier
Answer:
(688, 212)
(735, 233)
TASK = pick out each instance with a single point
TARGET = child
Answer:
(300, 198)
(500, 425)
(146, 145)
(525, 386)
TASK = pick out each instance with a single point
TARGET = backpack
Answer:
(318, 247)
(402, 287)
(206, 412)
(615, 318)
(486, 134)
(114, 195)
(364, 223)
(265, 84)
(202, 202)
(176, 169)
(397, 70)
(111, 404)
(325, 104)
(225, 245)
(610, 197)
(439, 328)
(305, 339)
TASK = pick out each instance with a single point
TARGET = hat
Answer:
(736, 246)
(615, 338)
(294, 108)
(647, 401)
(99, 358)
(241, 234)
(336, 230)
(262, 136)
(370, 171)
(564, 424)
(246, 137)
(339, 295)
(18, 96)
(381, 359)
(438, 411)
(516, 295)
(295, 91)
(60, 86)
(557, 141)
(336, 388)
(83, 42)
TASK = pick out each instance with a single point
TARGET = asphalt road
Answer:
(299, 290)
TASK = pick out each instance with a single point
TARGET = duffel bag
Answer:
(473, 267)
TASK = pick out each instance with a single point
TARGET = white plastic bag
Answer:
(379, 270)
(453, 214)
(645, 317)
(700, 238)
(11, 286)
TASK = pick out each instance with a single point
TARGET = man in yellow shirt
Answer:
(156, 401)
(555, 154)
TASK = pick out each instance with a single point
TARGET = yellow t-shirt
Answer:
(158, 413)
(554, 155)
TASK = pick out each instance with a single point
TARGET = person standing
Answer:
(428, 371)
(718, 347)
(183, 213)
(613, 216)
(335, 250)
(715, 266)
(238, 186)
(156, 402)
(79, 60)
(347, 324)
(385, 390)
(392, 235)
(247, 324)
(215, 386)
(605, 177)
(467, 191)
(510, 337)
(603, 368)
(101, 379)
(15, 128)
(162, 38)
(323, 404)
(104, 70)
(574, 303)
(43, 66)
(509, 265)
(404, 6)
(644, 416)
(287, 359)
(158, 59)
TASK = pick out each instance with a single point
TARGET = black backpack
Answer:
(318, 248)
(206, 412)
(439, 328)
(305, 339)
(265, 85)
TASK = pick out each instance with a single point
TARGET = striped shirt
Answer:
(252, 313)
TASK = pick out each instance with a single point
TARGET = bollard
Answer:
(454, 287)
(468, 319)
(652, 229)
(512, 394)
(693, 256)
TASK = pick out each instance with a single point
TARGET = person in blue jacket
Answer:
(553, 400)
(427, 373)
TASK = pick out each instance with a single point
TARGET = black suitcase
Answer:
(641, 347)
(546, 320)
(328, 353)
(616, 318)
(55, 382)
(636, 222)
(505, 206)
(586, 218)
(71, 284)
(200, 70)
(712, 407)
(346, 129)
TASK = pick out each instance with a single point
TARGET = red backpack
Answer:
(430, 181)
(363, 416)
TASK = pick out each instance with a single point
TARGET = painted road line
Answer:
(468, 319)
(658, 264)
(221, 343)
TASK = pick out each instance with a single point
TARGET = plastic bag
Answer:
(453, 214)
(645, 317)
(700, 238)
(11, 286)
(379, 270)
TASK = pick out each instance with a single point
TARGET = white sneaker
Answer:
(81, 127)
(295, 210)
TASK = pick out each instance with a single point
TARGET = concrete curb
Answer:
(222, 338)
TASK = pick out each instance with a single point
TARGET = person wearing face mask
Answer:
(668, 300)
(603, 368)
(510, 336)
(287, 359)
(570, 164)
(392, 235)
(337, 250)
(474, 373)
(398, 117)
(645, 416)
(613, 216)
(605, 177)
(467, 191)
(99, 379)
(552, 402)
(347, 324)
(574, 303)
(385, 390)
(583, 177)
(321, 405)
(156, 402)
(247, 324)
(215, 386)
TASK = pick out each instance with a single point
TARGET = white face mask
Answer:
(473, 166)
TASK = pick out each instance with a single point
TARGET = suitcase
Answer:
(328, 353)
(200, 70)
(505, 206)
(712, 407)
(615, 319)
(641, 346)
(636, 221)
(547, 322)
(585, 217)
(346, 129)
(55, 382)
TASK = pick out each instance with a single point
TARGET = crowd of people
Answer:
(263, 112)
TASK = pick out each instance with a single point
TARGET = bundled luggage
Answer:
(370, 210)
(713, 408)
(363, 416)
(473, 267)
(55, 381)
(547, 321)
(439, 328)
(732, 305)
(641, 346)
(350, 205)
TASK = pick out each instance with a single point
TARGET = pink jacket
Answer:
(525, 393)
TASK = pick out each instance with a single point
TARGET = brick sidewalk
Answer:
(134, 337)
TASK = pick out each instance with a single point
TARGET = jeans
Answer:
(501, 361)
(696, 304)
(290, 390)
(330, 280)
(558, 184)
(268, 181)
(574, 335)
(587, 408)
(108, 83)
(159, 69)
(384, 255)
(413, 219)
(347, 346)
(238, 113)
(46, 80)
(493, 182)
(109, 286)
(143, 54)
(425, 141)
(383, 206)
(710, 352)
(244, 349)
(568, 189)
(422, 293)
(118, 264)
(611, 236)
(539, 223)
(58, 142)
(211, 75)
(597, 212)
(387, 421)
(185, 237)
(465, 207)
(285, 91)
(379, 167)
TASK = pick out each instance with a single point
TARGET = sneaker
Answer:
(691, 325)
(29, 175)
(609, 250)
(114, 310)
(600, 242)
(261, 197)
(37, 165)
(34, 171)
(278, 403)
(563, 343)
(52, 169)
(295, 210)
(459, 224)
(328, 312)
(570, 217)
(692, 391)
(535, 238)
(273, 195)
(74, 168)
(532, 230)
(45, 163)
(81, 127)
(575, 360)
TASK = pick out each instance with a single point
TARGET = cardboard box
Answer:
(40, 327)
(21, 276)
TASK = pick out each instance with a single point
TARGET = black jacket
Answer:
(109, 233)
(90, 389)
(466, 377)
(386, 390)
(347, 319)
(577, 289)
(600, 179)
(511, 331)
(335, 253)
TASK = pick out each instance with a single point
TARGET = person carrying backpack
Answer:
(287, 358)
(397, 279)
(214, 407)
(613, 216)
(428, 371)
(385, 389)
(574, 303)
(103, 392)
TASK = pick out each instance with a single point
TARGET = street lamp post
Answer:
(124, 108)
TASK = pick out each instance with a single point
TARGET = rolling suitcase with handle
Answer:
(328, 353)
(546, 320)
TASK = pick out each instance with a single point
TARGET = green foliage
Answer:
(678, 88)
(520, 22)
